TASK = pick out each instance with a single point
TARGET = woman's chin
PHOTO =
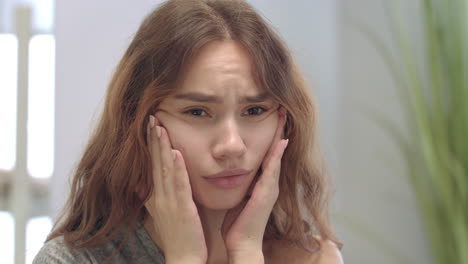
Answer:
(224, 202)
(215, 197)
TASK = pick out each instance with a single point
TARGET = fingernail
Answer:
(174, 154)
(158, 131)
(287, 141)
(282, 110)
(151, 121)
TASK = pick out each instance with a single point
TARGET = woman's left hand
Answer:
(244, 226)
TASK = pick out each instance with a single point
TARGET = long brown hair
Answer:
(116, 161)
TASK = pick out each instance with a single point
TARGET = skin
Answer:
(192, 220)
(216, 136)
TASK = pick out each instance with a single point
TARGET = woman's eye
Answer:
(255, 110)
(196, 112)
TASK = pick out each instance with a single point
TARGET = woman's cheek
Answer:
(183, 139)
(177, 130)
(190, 143)
(261, 138)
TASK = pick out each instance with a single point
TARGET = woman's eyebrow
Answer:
(205, 98)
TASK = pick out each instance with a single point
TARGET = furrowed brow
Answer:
(256, 98)
(204, 98)
(198, 97)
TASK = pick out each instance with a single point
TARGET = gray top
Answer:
(139, 248)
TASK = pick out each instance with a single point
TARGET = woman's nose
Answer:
(229, 143)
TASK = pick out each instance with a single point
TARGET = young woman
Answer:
(206, 151)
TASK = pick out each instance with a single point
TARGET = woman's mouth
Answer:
(228, 182)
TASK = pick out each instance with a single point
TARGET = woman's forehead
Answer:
(220, 69)
(202, 97)
(223, 55)
(225, 58)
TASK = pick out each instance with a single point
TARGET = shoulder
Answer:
(329, 254)
(282, 252)
(55, 251)
(133, 247)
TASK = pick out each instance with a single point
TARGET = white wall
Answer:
(91, 37)
(310, 30)
(343, 69)
(378, 219)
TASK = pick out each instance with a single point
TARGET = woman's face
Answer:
(219, 120)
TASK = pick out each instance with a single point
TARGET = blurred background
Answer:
(57, 57)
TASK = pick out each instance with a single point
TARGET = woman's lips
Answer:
(228, 182)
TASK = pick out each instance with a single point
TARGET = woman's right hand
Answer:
(175, 216)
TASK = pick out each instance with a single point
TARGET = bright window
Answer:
(40, 135)
(8, 73)
(7, 238)
(40, 158)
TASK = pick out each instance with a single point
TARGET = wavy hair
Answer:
(116, 162)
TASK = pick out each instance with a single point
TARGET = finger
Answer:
(252, 185)
(272, 169)
(231, 216)
(166, 166)
(181, 178)
(141, 189)
(175, 180)
(153, 142)
(282, 116)
(166, 153)
(278, 134)
(266, 190)
(276, 156)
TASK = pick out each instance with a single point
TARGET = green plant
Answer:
(436, 96)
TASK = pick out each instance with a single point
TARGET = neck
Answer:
(212, 221)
